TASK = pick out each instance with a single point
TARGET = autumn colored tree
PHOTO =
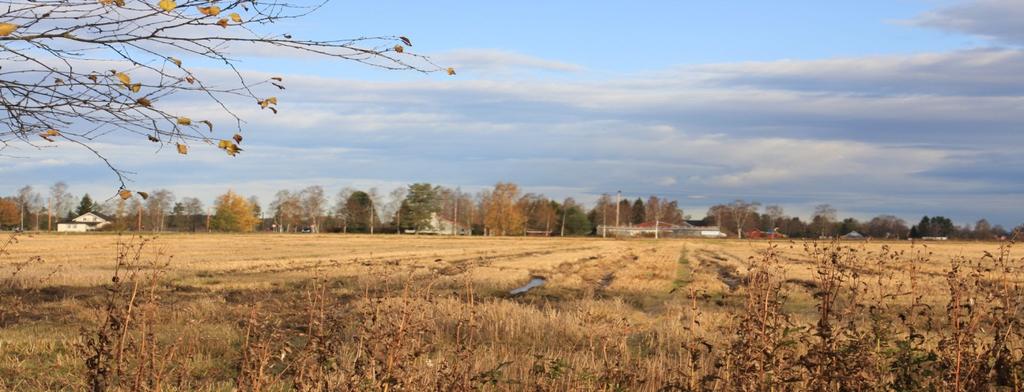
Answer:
(74, 70)
(10, 216)
(233, 213)
(502, 213)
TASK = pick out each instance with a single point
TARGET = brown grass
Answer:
(333, 312)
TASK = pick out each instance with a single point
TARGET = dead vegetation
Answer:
(391, 314)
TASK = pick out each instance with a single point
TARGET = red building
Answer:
(764, 235)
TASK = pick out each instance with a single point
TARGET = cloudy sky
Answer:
(906, 107)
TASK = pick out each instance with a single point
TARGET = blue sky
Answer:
(877, 107)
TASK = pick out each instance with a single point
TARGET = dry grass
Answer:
(332, 312)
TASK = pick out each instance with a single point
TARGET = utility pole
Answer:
(564, 209)
(208, 220)
(604, 221)
(49, 214)
(618, 203)
(455, 225)
(22, 215)
(371, 215)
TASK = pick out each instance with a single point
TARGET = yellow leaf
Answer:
(106, 2)
(184, 121)
(124, 78)
(232, 149)
(175, 61)
(451, 71)
(209, 11)
(143, 101)
(51, 132)
(120, 3)
(7, 28)
(223, 23)
(272, 100)
(399, 48)
(263, 104)
(223, 144)
(144, 195)
(167, 5)
(125, 194)
(136, 87)
(182, 149)
(235, 17)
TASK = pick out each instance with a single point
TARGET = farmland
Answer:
(386, 312)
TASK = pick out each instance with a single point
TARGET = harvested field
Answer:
(343, 312)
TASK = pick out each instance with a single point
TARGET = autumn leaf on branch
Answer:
(136, 56)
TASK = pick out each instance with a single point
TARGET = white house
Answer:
(442, 226)
(88, 221)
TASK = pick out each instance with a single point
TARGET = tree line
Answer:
(741, 217)
(503, 210)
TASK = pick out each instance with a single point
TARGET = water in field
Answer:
(535, 281)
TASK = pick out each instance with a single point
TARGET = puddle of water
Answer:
(535, 281)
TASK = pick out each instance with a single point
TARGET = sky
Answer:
(904, 107)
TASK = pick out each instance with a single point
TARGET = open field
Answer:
(333, 312)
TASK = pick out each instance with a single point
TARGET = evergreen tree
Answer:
(85, 206)
(639, 213)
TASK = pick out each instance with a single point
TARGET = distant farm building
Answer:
(88, 221)
(661, 229)
(853, 235)
(764, 235)
(442, 226)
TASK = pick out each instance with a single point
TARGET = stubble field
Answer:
(386, 312)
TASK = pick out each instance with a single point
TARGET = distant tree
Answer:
(158, 206)
(28, 204)
(9, 214)
(639, 213)
(257, 211)
(537, 210)
(603, 213)
(775, 217)
(741, 212)
(233, 213)
(133, 214)
(625, 211)
(358, 211)
(823, 220)
(179, 219)
(671, 213)
(59, 203)
(396, 200)
(421, 201)
(287, 209)
(85, 206)
(196, 213)
(576, 222)
(313, 202)
(887, 226)
(923, 228)
(849, 225)
(502, 216)
(983, 230)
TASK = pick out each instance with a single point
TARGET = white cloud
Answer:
(493, 60)
(993, 19)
